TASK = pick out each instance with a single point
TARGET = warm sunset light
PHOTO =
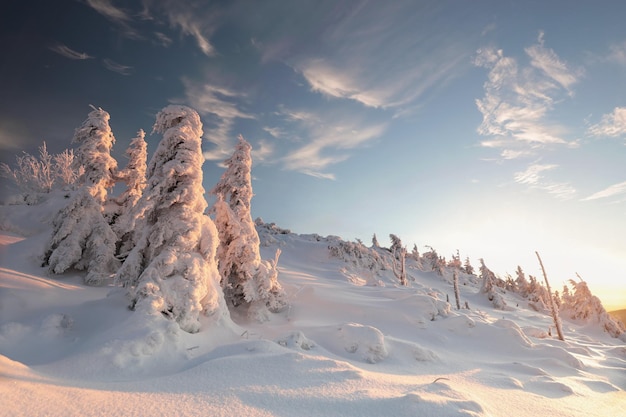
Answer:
(312, 207)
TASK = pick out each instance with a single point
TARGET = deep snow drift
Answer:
(352, 342)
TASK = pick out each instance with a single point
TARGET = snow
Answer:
(352, 342)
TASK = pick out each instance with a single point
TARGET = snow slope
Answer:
(351, 343)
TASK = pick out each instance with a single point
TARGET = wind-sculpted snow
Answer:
(338, 349)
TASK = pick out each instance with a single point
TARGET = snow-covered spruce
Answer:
(246, 279)
(81, 237)
(122, 215)
(172, 268)
(583, 306)
(489, 287)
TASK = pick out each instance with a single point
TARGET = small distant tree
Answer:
(172, 270)
(399, 259)
(489, 286)
(375, 243)
(521, 282)
(245, 277)
(580, 304)
(457, 295)
(82, 238)
(455, 262)
(467, 267)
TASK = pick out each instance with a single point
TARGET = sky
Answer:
(497, 128)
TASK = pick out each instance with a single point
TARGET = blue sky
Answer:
(494, 127)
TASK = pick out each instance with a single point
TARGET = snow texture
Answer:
(340, 349)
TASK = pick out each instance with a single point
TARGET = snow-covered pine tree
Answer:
(583, 306)
(134, 176)
(538, 296)
(95, 141)
(375, 243)
(246, 279)
(81, 237)
(467, 266)
(521, 282)
(489, 287)
(172, 269)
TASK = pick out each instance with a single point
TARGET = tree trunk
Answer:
(555, 313)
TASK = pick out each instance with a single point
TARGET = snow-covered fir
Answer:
(246, 278)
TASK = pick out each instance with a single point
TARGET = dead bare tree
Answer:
(553, 309)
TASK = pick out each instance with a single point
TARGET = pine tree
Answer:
(489, 286)
(467, 267)
(583, 306)
(82, 238)
(245, 277)
(375, 243)
(124, 216)
(521, 282)
(172, 270)
(95, 140)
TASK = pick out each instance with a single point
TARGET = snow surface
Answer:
(349, 344)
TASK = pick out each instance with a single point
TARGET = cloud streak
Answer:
(192, 18)
(328, 142)
(107, 9)
(611, 125)
(611, 191)
(67, 52)
(534, 178)
(115, 67)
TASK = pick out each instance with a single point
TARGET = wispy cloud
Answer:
(116, 15)
(534, 178)
(611, 125)
(69, 53)
(612, 191)
(517, 101)
(361, 52)
(115, 67)
(218, 106)
(618, 53)
(107, 9)
(162, 39)
(263, 152)
(328, 142)
(192, 18)
(553, 67)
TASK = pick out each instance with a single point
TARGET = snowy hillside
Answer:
(351, 342)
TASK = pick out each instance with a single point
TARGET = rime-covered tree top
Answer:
(175, 170)
(235, 186)
(95, 140)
